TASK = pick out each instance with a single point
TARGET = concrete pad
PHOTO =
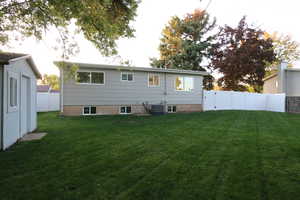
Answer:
(33, 136)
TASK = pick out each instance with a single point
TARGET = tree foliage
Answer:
(285, 48)
(52, 80)
(101, 22)
(241, 56)
(186, 42)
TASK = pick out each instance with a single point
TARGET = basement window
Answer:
(89, 110)
(125, 110)
(171, 109)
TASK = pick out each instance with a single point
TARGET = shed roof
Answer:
(6, 57)
(129, 68)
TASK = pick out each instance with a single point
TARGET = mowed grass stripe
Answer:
(178, 166)
(280, 157)
(57, 174)
(211, 155)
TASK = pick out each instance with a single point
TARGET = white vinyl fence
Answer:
(47, 101)
(227, 100)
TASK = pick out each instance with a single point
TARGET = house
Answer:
(285, 80)
(46, 89)
(43, 88)
(107, 89)
(18, 77)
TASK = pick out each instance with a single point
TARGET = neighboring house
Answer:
(107, 89)
(43, 88)
(47, 99)
(46, 89)
(18, 77)
(285, 80)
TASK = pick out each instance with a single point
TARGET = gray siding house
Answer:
(18, 77)
(106, 89)
(286, 80)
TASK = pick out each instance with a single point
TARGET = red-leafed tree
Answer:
(241, 55)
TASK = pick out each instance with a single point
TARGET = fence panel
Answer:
(276, 102)
(228, 100)
(47, 102)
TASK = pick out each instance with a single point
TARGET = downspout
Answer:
(165, 91)
(61, 91)
(2, 108)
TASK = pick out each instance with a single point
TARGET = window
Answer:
(184, 83)
(153, 80)
(125, 110)
(90, 78)
(89, 110)
(126, 76)
(171, 109)
(13, 92)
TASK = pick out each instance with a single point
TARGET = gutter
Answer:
(143, 69)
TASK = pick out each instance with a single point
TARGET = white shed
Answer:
(18, 79)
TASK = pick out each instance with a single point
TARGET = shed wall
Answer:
(11, 119)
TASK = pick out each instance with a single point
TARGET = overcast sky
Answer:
(152, 16)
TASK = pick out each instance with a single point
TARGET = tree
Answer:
(285, 48)
(101, 22)
(241, 55)
(51, 80)
(185, 43)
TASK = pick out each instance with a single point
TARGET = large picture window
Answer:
(183, 83)
(90, 78)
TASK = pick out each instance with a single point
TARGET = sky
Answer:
(153, 15)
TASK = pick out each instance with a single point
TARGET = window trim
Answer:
(9, 107)
(90, 83)
(89, 110)
(126, 113)
(153, 86)
(183, 84)
(127, 77)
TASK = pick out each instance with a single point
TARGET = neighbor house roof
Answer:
(6, 57)
(46, 88)
(276, 74)
(129, 68)
(43, 88)
(270, 76)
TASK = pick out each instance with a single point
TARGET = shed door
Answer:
(25, 105)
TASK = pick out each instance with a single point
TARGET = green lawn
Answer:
(214, 155)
